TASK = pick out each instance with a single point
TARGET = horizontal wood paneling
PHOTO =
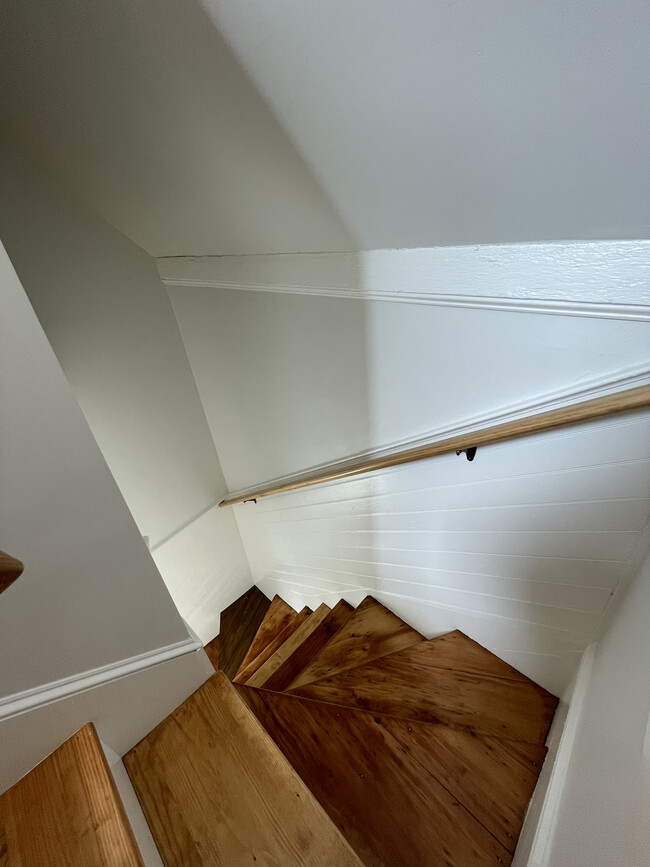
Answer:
(522, 548)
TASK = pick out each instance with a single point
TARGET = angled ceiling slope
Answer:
(292, 126)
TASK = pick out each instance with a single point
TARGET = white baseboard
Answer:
(39, 696)
(546, 820)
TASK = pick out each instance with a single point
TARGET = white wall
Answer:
(108, 317)
(603, 815)
(90, 604)
(293, 380)
(521, 548)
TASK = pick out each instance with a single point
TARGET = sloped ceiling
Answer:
(294, 125)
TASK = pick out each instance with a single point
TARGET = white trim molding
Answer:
(28, 699)
(542, 845)
(602, 279)
(593, 388)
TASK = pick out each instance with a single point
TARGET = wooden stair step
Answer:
(410, 684)
(278, 616)
(10, 570)
(486, 775)
(370, 632)
(67, 811)
(276, 660)
(239, 623)
(297, 651)
(297, 620)
(216, 790)
(392, 811)
(212, 651)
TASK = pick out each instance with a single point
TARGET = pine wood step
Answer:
(278, 616)
(239, 623)
(301, 647)
(66, 812)
(215, 790)
(10, 569)
(370, 632)
(212, 651)
(391, 809)
(276, 660)
(489, 776)
(295, 622)
(412, 684)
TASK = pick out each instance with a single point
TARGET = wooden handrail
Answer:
(612, 404)
(10, 569)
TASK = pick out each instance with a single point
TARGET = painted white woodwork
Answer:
(291, 382)
(521, 548)
(90, 593)
(88, 631)
(109, 320)
(124, 710)
(205, 569)
(601, 818)
(609, 279)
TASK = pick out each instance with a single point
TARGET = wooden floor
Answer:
(279, 615)
(216, 791)
(67, 813)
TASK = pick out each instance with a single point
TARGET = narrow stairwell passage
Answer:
(346, 738)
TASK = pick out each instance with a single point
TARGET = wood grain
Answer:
(278, 616)
(298, 651)
(456, 651)
(599, 407)
(10, 569)
(67, 813)
(296, 621)
(485, 774)
(406, 684)
(371, 631)
(289, 647)
(216, 790)
(212, 650)
(239, 623)
(392, 811)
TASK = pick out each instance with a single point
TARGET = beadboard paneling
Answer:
(522, 548)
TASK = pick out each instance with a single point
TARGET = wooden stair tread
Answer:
(67, 811)
(278, 616)
(300, 649)
(296, 621)
(370, 632)
(458, 652)
(239, 623)
(483, 773)
(212, 651)
(10, 569)
(288, 647)
(410, 684)
(215, 790)
(392, 811)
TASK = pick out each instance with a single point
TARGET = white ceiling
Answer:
(382, 123)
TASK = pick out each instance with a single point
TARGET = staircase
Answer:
(343, 737)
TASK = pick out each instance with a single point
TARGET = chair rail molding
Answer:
(602, 279)
(17, 703)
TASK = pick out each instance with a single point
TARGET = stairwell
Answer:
(354, 741)
(331, 737)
